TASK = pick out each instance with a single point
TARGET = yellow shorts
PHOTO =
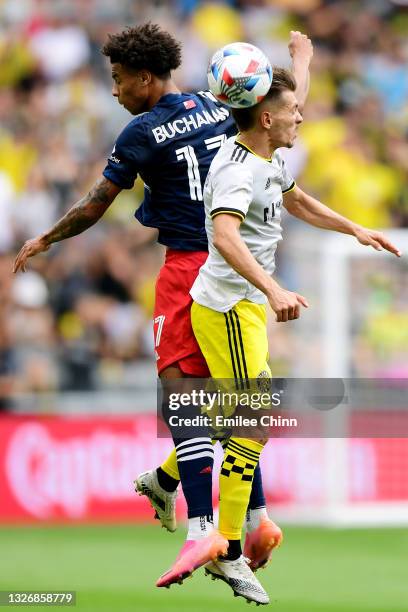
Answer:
(234, 343)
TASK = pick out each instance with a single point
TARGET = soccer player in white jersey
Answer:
(245, 189)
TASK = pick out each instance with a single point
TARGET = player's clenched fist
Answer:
(286, 304)
(300, 45)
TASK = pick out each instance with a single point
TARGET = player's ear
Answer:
(266, 119)
(145, 77)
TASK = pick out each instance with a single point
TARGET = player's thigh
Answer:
(175, 344)
(235, 343)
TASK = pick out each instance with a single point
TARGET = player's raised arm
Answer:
(82, 215)
(301, 52)
(308, 209)
(228, 241)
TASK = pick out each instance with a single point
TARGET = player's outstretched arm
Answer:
(301, 52)
(308, 209)
(227, 240)
(82, 215)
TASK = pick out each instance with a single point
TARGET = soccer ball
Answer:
(239, 75)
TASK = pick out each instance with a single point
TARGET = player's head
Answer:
(277, 116)
(142, 59)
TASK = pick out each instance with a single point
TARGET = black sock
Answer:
(168, 483)
(195, 459)
(195, 455)
(234, 550)
(257, 498)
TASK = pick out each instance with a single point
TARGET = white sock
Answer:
(199, 527)
(253, 518)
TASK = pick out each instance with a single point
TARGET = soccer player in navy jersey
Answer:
(170, 144)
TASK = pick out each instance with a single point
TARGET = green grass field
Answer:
(115, 567)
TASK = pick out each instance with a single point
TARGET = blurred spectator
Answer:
(8, 366)
(35, 209)
(32, 329)
(6, 213)
(61, 47)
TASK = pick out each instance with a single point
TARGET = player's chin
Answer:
(133, 109)
(291, 142)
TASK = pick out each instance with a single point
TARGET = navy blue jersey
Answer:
(171, 147)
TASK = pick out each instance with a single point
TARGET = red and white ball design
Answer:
(239, 75)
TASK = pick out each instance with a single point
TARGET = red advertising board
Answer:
(82, 468)
(76, 468)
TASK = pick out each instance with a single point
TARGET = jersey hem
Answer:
(106, 173)
(224, 309)
(175, 361)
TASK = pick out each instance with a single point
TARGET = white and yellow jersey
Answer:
(242, 183)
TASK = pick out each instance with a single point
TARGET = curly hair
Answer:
(282, 80)
(144, 47)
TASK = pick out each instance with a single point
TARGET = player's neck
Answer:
(257, 142)
(162, 88)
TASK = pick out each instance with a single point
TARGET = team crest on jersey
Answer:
(264, 381)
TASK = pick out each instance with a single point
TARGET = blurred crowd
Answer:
(81, 315)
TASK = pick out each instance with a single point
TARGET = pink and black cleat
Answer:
(260, 543)
(193, 555)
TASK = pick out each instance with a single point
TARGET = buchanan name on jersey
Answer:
(189, 122)
(242, 183)
(171, 148)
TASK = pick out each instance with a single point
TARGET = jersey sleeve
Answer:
(287, 181)
(128, 156)
(232, 186)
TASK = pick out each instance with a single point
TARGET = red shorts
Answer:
(174, 339)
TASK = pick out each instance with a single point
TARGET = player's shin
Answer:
(257, 497)
(241, 457)
(257, 505)
(195, 459)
